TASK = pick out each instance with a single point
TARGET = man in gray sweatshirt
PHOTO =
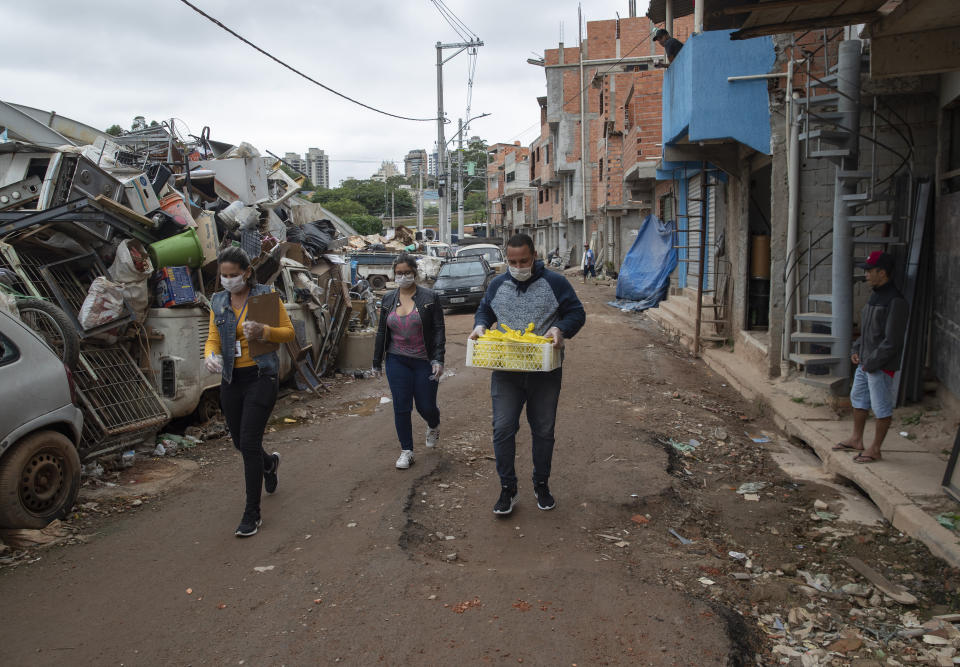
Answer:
(528, 293)
(883, 323)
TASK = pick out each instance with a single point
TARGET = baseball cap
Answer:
(879, 260)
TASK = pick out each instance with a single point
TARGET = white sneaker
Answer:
(405, 460)
(433, 437)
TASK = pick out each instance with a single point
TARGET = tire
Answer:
(54, 327)
(378, 281)
(39, 480)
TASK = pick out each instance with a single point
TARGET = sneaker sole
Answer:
(251, 534)
(277, 473)
(513, 502)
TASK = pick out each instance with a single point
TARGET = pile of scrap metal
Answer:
(108, 249)
(398, 239)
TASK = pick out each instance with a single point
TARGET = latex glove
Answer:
(437, 369)
(376, 371)
(213, 363)
(556, 335)
(855, 358)
(252, 330)
(478, 331)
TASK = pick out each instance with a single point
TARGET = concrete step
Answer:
(853, 175)
(818, 338)
(832, 153)
(830, 99)
(827, 116)
(833, 136)
(815, 359)
(870, 219)
(825, 298)
(878, 240)
(857, 198)
(828, 382)
(814, 317)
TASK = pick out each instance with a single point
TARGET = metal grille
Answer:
(203, 330)
(115, 395)
(73, 281)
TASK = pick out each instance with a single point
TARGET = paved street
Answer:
(357, 558)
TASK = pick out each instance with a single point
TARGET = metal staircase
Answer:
(866, 217)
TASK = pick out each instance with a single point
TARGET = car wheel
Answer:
(378, 282)
(39, 480)
(54, 327)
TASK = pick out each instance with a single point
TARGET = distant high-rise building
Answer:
(315, 164)
(318, 167)
(415, 163)
(432, 164)
(387, 170)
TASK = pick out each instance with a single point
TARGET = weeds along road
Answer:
(360, 563)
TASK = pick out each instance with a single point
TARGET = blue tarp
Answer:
(645, 275)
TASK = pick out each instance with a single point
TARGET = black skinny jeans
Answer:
(247, 403)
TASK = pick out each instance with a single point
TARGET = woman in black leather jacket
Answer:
(411, 341)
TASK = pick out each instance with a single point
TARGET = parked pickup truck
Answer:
(375, 267)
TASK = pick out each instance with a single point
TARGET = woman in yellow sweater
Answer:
(248, 386)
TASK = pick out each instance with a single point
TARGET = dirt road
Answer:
(359, 563)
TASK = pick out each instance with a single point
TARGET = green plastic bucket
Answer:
(182, 249)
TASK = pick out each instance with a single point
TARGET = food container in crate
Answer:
(175, 287)
(509, 355)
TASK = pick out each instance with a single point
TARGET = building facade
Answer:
(315, 164)
(388, 169)
(415, 163)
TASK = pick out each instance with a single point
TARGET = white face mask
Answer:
(521, 274)
(405, 281)
(233, 284)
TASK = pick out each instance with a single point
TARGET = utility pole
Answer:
(393, 217)
(460, 178)
(420, 199)
(583, 130)
(444, 219)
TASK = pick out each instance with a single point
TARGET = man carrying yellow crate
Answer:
(527, 293)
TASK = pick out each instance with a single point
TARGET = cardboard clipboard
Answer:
(265, 309)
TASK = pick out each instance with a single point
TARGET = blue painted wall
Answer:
(700, 104)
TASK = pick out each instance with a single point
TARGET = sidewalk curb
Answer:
(897, 508)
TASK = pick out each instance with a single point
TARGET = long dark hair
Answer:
(237, 255)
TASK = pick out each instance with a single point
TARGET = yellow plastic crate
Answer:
(508, 355)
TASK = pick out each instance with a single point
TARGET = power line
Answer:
(295, 70)
(454, 20)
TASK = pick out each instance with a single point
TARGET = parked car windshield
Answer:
(461, 269)
(492, 255)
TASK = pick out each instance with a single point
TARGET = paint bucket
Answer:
(175, 207)
(178, 250)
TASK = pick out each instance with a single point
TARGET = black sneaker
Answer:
(270, 477)
(545, 499)
(508, 498)
(249, 524)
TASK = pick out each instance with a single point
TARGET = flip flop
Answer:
(865, 458)
(844, 447)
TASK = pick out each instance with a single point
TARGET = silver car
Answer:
(39, 430)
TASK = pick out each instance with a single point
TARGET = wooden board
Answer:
(265, 309)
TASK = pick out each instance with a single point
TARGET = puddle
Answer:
(363, 408)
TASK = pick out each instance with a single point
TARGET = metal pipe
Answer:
(793, 210)
(441, 148)
(697, 17)
(583, 130)
(668, 17)
(848, 84)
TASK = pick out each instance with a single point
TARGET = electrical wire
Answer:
(441, 5)
(450, 21)
(272, 57)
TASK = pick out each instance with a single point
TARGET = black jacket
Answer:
(431, 319)
(883, 323)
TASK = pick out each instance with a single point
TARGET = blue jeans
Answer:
(872, 390)
(509, 391)
(410, 383)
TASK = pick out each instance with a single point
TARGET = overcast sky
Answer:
(103, 62)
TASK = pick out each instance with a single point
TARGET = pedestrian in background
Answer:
(411, 340)
(671, 45)
(589, 263)
(248, 385)
(883, 324)
(527, 293)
